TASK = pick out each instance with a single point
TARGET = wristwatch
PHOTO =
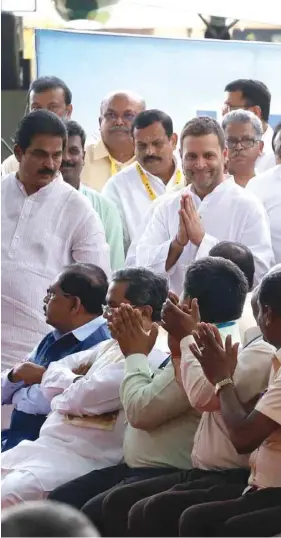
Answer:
(220, 384)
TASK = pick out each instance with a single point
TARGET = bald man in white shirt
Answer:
(46, 225)
(155, 172)
(210, 209)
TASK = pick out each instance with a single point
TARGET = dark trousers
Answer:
(79, 491)
(256, 513)
(110, 511)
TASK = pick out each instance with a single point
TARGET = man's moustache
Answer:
(66, 164)
(122, 129)
(47, 171)
(151, 159)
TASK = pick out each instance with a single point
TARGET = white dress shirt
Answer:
(130, 195)
(212, 446)
(77, 437)
(267, 187)
(41, 234)
(267, 159)
(228, 213)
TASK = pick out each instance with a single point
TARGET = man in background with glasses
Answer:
(114, 150)
(243, 134)
(253, 95)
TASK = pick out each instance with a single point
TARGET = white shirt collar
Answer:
(81, 333)
(267, 140)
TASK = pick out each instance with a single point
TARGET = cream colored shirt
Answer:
(9, 165)
(162, 423)
(212, 446)
(99, 166)
(266, 460)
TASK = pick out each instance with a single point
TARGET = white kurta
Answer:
(267, 187)
(228, 213)
(65, 449)
(132, 199)
(41, 234)
(267, 159)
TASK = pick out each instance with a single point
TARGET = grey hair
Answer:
(123, 93)
(244, 116)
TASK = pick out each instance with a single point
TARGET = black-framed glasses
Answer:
(52, 294)
(245, 143)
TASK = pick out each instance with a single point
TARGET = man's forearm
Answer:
(232, 410)
(174, 254)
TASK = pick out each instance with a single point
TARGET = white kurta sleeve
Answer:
(154, 244)
(59, 374)
(89, 243)
(93, 394)
(256, 236)
(200, 392)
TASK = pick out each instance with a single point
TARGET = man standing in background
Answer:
(71, 168)
(46, 224)
(255, 96)
(114, 150)
(48, 93)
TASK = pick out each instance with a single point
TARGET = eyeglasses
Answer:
(52, 294)
(127, 116)
(107, 309)
(245, 143)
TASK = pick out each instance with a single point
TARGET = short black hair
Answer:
(42, 84)
(255, 93)
(219, 286)
(144, 288)
(238, 254)
(275, 133)
(36, 123)
(270, 291)
(202, 126)
(45, 518)
(88, 282)
(74, 129)
(148, 117)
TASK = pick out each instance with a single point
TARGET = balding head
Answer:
(117, 113)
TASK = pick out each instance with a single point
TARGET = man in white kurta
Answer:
(46, 225)
(156, 171)
(84, 431)
(210, 209)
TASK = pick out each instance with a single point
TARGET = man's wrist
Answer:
(12, 377)
(178, 243)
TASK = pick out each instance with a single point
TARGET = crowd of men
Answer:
(141, 315)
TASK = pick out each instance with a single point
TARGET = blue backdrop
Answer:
(180, 76)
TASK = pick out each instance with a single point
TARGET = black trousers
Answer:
(110, 511)
(256, 513)
(79, 491)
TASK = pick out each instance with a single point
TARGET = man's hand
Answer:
(127, 328)
(82, 369)
(28, 372)
(180, 320)
(182, 237)
(218, 361)
(192, 223)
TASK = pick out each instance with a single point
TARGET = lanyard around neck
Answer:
(146, 183)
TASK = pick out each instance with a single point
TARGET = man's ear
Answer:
(84, 153)
(261, 146)
(69, 110)
(76, 305)
(256, 110)
(174, 140)
(18, 152)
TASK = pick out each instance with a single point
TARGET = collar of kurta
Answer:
(101, 152)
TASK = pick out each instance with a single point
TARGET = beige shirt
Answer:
(266, 460)
(9, 165)
(212, 446)
(99, 166)
(162, 423)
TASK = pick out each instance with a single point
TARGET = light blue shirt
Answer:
(113, 228)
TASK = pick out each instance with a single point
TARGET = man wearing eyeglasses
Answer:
(253, 95)
(243, 135)
(73, 306)
(114, 150)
